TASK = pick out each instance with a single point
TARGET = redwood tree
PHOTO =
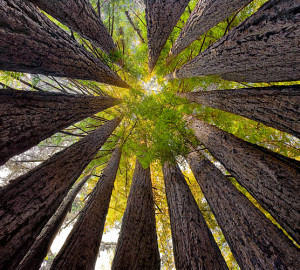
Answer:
(29, 201)
(137, 246)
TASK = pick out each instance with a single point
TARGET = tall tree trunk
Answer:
(193, 244)
(31, 43)
(27, 118)
(41, 245)
(277, 106)
(206, 14)
(29, 201)
(161, 17)
(137, 30)
(82, 245)
(80, 16)
(263, 48)
(137, 246)
(272, 179)
(255, 242)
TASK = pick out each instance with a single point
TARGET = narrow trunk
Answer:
(272, 179)
(82, 245)
(27, 118)
(206, 14)
(41, 245)
(277, 106)
(193, 244)
(29, 201)
(80, 16)
(137, 246)
(31, 43)
(263, 48)
(161, 17)
(137, 30)
(256, 243)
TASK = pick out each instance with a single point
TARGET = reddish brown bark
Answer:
(137, 246)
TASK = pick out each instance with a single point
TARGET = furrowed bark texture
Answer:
(263, 48)
(29, 201)
(206, 14)
(193, 244)
(255, 242)
(41, 246)
(137, 246)
(277, 106)
(27, 118)
(272, 179)
(82, 245)
(161, 17)
(81, 17)
(31, 43)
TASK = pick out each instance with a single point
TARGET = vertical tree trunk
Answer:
(82, 245)
(193, 244)
(31, 43)
(255, 242)
(29, 201)
(27, 118)
(272, 179)
(161, 17)
(137, 246)
(137, 30)
(206, 14)
(80, 16)
(42, 244)
(277, 106)
(263, 48)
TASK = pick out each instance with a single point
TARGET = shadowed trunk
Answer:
(137, 246)
(42, 244)
(255, 242)
(272, 179)
(161, 17)
(31, 43)
(82, 245)
(206, 14)
(137, 30)
(277, 106)
(193, 244)
(263, 48)
(29, 201)
(27, 118)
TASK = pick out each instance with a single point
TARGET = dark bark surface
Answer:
(161, 17)
(277, 106)
(272, 179)
(193, 244)
(29, 201)
(31, 43)
(42, 244)
(263, 48)
(137, 246)
(82, 245)
(255, 242)
(206, 14)
(81, 17)
(27, 118)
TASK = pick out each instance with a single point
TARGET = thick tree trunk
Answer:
(137, 246)
(206, 14)
(263, 48)
(41, 246)
(272, 179)
(31, 43)
(29, 201)
(27, 118)
(255, 242)
(193, 244)
(82, 245)
(161, 17)
(277, 106)
(81, 17)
